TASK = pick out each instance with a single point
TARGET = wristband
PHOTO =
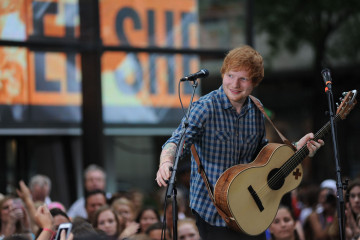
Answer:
(49, 230)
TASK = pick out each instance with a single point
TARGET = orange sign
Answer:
(141, 79)
(145, 23)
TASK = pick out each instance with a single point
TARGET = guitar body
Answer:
(251, 193)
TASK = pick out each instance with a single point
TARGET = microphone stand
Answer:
(171, 189)
(340, 187)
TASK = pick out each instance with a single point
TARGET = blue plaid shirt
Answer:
(222, 138)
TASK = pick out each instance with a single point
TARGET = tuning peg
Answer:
(337, 104)
(344, 94)
(341, 99)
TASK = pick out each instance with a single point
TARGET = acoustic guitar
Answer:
(250, 194)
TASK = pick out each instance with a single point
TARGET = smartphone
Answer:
(18, 208)
(17, 203)
(63, 227)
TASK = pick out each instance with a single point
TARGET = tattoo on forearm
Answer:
(168, 151)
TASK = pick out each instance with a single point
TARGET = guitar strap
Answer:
(201, 171)
(260, 107)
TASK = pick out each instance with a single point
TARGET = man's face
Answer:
(237, 86)
(94, 202)
(39, 192)
(95, 180)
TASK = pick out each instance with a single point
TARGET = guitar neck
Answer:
(301, 154)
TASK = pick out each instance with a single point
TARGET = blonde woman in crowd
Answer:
(13, 217)
(187, 229)
(126, 209)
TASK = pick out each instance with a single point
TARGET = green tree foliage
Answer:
(331, 28)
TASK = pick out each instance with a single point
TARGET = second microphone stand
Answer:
(340, 187)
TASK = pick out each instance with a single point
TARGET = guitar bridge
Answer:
(256, 198)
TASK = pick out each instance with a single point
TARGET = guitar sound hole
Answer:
(275, 179)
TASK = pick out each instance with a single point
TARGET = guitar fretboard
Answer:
(301, 154)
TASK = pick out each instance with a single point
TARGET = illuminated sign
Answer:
(48, 84)
(142, 87)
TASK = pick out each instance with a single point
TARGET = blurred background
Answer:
(97, 81)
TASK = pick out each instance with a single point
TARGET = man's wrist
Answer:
(165, 161)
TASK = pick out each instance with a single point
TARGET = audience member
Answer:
(59, 217)
(44, 221)
(155, 232)
(146, 217)
(82, 228)
(25, 195)
(93, 201)
(106, 219)
(140, 236)
(308, 196)
(352, 211)
(183, 209)
(284, 225)
(58, 205)
(137, 198)
(13, 217)
(169, 219)
(94, 179)
(187, 229)
(40, 187)
(125, 208)
(318, 223)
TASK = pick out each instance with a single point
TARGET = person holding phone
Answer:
(44, 220)
(13, 217)
(352, 212)
(64, 230)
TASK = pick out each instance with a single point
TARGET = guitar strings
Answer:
(299, 155)
(294, 161)
(290, 165)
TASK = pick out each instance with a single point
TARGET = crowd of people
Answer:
(31, 214)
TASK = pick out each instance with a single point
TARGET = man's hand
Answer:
(312, 145)
(166, 163)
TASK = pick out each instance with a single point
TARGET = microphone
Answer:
(327, 79)
(203, 73)
(326, 75)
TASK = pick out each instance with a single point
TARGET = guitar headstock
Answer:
(347, 104)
